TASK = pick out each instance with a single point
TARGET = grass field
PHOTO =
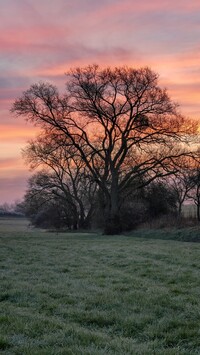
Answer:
(92, 294)
(8, 224)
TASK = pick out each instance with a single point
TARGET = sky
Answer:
(40, 40)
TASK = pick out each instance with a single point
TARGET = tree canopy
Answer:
(118, 124)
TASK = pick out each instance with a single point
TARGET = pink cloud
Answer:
(41, 40)
(13, 179)
(12, 189)
(9, 163)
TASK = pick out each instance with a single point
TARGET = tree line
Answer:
(108, 147)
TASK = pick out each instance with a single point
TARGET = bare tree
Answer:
(67, 175)
(44, 205)
(122, 124)
(194, 192)
(182, 182)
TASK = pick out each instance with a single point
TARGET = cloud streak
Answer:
(41, 40)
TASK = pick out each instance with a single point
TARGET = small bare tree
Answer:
(182, 182)
(194, 192)
(66, 175)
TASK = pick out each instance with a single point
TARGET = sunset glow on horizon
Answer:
(42, 40)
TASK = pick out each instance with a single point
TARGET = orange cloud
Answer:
(17, 134)
(42, 40)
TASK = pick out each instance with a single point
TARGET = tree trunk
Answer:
(75, 226)
(198, 203)
(180, 209)
(88, 218)
(75, 219)
(198, 211)
(112, 225)
(112, 216)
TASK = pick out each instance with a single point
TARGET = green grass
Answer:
(92, 294)
(16, 224)
(191, 234)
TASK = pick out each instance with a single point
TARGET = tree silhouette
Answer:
(123, 126)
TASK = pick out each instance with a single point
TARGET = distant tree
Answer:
(183, 182)
(133, 212)
(194, 193)
(123, 126)
(10, 210)
(45, 206)
(160, 199)
(66, 175)
(5, 208)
